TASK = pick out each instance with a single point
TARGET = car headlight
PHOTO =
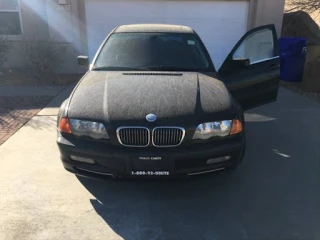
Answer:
(87, 128)
(217, 129)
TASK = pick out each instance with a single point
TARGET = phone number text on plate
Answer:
(150, 173)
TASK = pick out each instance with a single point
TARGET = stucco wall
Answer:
(64, 27)
(47, 20)
(263, 12)
(34, 25)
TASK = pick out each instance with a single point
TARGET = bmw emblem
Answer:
(151, 117)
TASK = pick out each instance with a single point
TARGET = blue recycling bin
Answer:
(292, 52)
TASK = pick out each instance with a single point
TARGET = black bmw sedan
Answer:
(153, 104)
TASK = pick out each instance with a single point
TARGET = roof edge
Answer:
(165, 28)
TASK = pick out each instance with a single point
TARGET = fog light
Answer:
(82, 159)
(218, 160)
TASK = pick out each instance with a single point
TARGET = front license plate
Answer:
(150, 173)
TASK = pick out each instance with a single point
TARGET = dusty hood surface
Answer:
(125, 98)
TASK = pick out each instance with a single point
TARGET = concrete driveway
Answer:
(275, 194)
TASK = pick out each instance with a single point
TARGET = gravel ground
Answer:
(297, 87)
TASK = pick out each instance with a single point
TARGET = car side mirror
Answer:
(83, 61)
(242, 61)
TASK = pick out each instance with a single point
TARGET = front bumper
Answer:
(122, 161)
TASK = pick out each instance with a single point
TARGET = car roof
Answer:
(161, 28)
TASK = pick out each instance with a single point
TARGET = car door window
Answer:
(257, 47)
(256, 83)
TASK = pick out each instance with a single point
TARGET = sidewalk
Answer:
(19, 104)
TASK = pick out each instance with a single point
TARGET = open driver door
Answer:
(251, 70)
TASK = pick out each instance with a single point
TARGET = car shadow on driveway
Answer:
(275, 193)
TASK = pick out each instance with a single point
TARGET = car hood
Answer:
(125, 98)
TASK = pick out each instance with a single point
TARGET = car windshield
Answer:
(153, 51)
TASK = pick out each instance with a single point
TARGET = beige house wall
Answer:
(263, 12)
(66, 24)
(47, 20)
(34, 25)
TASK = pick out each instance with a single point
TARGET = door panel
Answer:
(251, 70)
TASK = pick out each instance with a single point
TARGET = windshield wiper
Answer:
(115, 68)
(167, 68)
(147, 68)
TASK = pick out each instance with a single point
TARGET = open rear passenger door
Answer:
(251, 70)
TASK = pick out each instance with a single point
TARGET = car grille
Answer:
(140, 136)
(133, 136)
(167, 136)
